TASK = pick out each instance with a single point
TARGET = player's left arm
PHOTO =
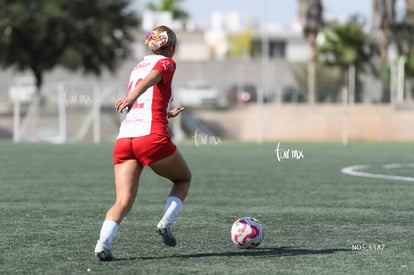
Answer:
(175, 112)
(150, 80)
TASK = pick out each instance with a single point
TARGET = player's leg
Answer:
(177, 171)
(126, 186)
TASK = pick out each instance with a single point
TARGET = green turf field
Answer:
(316, 220)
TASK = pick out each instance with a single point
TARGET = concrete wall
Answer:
(378, 123)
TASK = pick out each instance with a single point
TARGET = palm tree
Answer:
(345, 46)
(402, 32)
(310, 12)
(409, 21)
(383, 22)
(172, 6)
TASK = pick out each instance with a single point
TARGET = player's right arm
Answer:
(150, 80)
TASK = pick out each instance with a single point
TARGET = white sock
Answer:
(108, 231)
(171, 209)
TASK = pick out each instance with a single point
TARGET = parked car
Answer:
(198, 93)
(241, 94)
(23, 90)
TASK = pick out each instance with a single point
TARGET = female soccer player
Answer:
(143, 140)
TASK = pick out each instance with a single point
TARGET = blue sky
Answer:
(278, 11)
(283, 12)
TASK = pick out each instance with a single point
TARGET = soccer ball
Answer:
(247, 232)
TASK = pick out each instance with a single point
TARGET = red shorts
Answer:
(145, 150)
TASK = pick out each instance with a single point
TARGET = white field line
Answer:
(355, 170)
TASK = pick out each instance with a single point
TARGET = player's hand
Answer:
(124, 104)
(175, 112)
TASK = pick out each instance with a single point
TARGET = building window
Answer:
(277, 49)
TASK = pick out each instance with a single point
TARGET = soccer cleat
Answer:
(167, 235)
(103, 253)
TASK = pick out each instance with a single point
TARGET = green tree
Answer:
(383, 21)
(345, 45)
(40, 34)
(404, 37)
(409, 22)
(326, 77)
(311, 14)
(384, 28)
(240, 44)
(172, 6)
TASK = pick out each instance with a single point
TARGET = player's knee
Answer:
(188, 176)
(185, 177)
(124, 205)
(184, 180)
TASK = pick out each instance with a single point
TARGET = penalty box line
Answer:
(356, 170)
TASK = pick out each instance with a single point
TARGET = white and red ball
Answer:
(247, 232)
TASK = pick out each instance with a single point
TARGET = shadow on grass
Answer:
(258, 252)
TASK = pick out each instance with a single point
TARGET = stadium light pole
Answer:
(265, 71)
(345, 115)
(16, 120)
(96, 115)
(400, 79)
(62, 113)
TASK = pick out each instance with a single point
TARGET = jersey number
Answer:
(136, 105)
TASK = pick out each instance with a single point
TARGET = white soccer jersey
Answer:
(149, 112)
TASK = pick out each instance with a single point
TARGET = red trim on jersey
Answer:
(162, 95)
